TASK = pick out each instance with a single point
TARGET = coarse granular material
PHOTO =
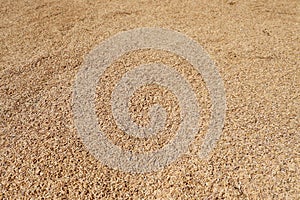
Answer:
(255, 46)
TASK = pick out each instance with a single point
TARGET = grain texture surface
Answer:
(256, 48)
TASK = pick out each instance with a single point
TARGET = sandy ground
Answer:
(255, 45)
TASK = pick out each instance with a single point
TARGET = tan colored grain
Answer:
(255, 45)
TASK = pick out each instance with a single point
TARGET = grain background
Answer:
(255, 45)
